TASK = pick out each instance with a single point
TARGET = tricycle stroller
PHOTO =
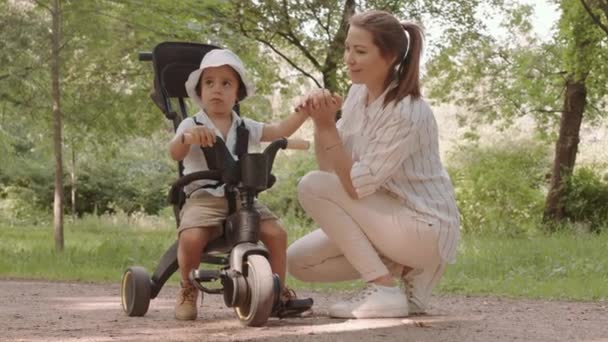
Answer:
(247, 282)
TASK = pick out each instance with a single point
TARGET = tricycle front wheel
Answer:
(256, 309)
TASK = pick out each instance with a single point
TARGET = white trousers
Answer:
(364, 238)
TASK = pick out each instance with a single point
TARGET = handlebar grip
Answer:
(297, 144)
(145, 56)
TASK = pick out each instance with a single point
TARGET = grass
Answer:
(96, 250)
(560, 266)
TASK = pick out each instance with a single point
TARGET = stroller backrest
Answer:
(173, 62)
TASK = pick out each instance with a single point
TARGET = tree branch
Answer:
(296, 42)
(317, 19)
(288, 60)
(603, 5)
(124, 20)
(45, 6)
(596, 19)
(541, 110)
(289, 37)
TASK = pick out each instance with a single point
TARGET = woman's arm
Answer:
(323, 160)
(332, 156)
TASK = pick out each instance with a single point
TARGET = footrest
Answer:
(293, 307)
(205, 275)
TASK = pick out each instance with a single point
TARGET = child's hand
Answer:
(319, 100)
(198, 135)
(302, 105)
(321, 105)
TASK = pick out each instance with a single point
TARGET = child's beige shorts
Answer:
(208, 211)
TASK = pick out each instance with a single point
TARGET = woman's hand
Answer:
(321, 105)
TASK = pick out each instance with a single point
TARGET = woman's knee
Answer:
(316, 184)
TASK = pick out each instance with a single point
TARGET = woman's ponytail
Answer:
(408, 68)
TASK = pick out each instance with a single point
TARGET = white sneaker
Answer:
(416, 304)
(374, 301)
(418, 285)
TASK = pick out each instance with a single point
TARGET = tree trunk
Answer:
(57, 126)
(73, 182)
(565, 148)
(335, 51)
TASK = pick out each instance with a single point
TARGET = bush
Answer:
(500, 189)
(18, 207)
(587, 198)
(26, 185)
(126, 184)
(130, 176)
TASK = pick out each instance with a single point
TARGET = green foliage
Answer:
(104, 101)
(20, 206)
(587, 198)
(498, 81)
(581, 39)
(134, 177)
(26, 180)
(495, 79)
(125, 176)
(584, 51)
(500, 189)
(129, 176)
(309, 34)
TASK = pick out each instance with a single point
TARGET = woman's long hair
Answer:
(391, 39)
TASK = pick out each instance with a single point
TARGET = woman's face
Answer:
(363, 60)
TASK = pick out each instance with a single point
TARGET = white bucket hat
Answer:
(216, 58)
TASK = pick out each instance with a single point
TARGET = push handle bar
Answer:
(145, 56)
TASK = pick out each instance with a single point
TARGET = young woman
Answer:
(382, 198)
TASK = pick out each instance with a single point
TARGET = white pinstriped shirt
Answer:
(396, 149)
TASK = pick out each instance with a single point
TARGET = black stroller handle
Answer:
(270, 151)
(191, 177)
(225, 170)
(174, 193)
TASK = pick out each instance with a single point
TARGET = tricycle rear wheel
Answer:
(135, 291)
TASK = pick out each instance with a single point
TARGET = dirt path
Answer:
(44, 311)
